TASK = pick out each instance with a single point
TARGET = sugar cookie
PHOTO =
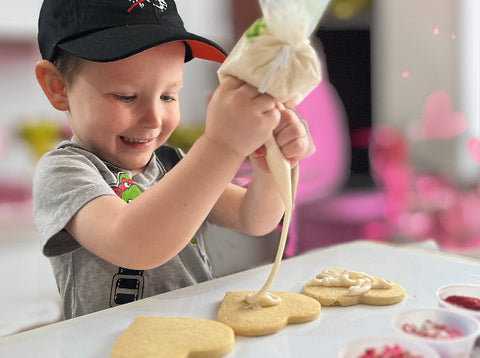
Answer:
(173, 337)
(246, 321)
(347, 288)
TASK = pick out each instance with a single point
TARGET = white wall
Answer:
(403, 40)
(213, 20)
(21, 99)
(19, 20)
(468, 82)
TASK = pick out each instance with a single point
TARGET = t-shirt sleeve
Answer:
(63, 182)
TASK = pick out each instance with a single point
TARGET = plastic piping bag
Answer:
(275, 55)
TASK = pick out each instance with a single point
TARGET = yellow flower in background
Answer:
(43, 134)
(346, 9)
(185, 135)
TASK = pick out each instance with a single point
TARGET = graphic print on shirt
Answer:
(127, 285)
(126, 189)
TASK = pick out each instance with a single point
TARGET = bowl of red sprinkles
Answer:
(451, 333)
(386, 347)
(463, 297)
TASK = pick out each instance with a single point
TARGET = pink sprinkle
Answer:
(436, 31)
(454, 36)
(405, 74)
(394, 351)
(432, 329)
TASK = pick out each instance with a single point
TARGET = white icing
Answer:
(269, 299)
(286, 180)
(357, 282)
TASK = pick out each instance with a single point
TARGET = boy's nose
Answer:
(152, 116)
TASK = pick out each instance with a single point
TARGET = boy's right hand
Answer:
(239, 117)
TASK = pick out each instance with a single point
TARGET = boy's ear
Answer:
(52, 84)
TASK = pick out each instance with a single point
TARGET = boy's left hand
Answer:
(292, 137)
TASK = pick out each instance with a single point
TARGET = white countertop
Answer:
(420, 271)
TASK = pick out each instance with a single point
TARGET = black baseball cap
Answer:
(109, 30)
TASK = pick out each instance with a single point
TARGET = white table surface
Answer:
(419, 271)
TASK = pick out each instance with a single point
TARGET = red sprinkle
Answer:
(471, 303)
(394, 351)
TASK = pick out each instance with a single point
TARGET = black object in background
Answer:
(347, 56)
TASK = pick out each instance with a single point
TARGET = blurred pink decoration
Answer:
(439, 121)
(406, 204)
(420, 206)
(321, 173)
(324, 172)
(473, 147)
(388, 160)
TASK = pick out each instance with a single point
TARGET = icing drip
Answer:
(286, 180)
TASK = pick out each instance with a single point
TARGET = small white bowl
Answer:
(458, 289)
(356, 348)
(460, 347)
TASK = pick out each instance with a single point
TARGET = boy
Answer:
(115, 68)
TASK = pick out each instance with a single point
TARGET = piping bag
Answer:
(275, 55)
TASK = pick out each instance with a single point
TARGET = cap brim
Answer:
(115, 43)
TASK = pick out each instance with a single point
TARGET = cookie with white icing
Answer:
(347, 288)
(248, 321)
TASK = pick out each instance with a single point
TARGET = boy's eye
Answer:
(126, 99)
(167, 98)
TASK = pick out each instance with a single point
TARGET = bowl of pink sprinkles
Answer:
(451, 333)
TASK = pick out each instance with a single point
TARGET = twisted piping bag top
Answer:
(275, 54)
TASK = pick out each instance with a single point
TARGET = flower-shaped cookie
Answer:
(347, 288)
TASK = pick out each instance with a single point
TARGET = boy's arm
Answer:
(255, 211)
(259, 208)
(154, 227)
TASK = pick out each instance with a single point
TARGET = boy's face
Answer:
(123, 110)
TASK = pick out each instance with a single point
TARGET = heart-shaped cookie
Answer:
(341, 296)
(173, 337)
(294, 308)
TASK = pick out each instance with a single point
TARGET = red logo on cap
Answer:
(161, 4)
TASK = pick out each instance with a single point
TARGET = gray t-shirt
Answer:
(66, 179)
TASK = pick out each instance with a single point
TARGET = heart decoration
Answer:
(473, 147)
(439, 121)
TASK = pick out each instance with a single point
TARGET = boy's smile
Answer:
(123, 110)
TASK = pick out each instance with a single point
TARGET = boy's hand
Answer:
(292, 137)
(240, 118)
